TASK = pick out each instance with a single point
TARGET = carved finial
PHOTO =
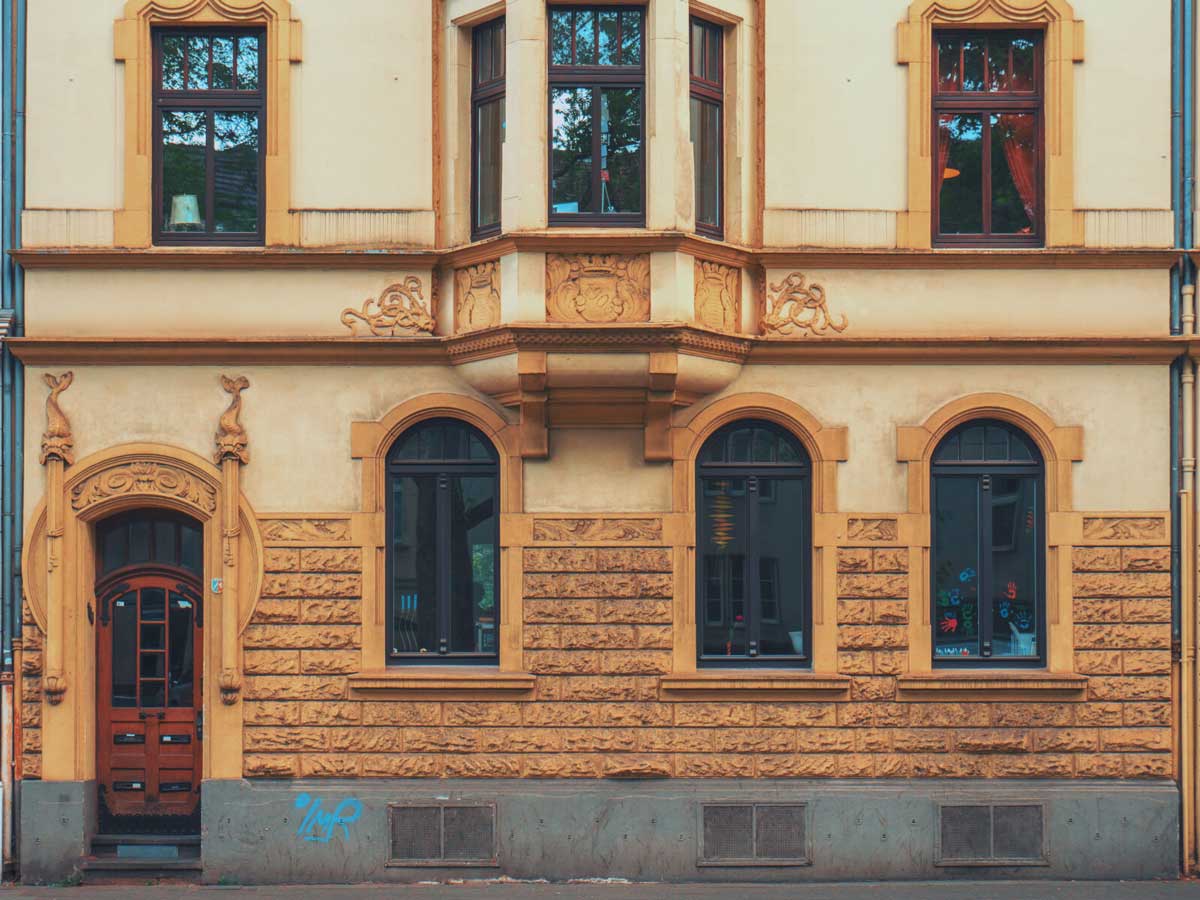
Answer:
(57, 441)
(799, 305)
(401, 310)
(232, 442)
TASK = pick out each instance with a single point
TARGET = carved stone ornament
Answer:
(477, 297)
(799, 307)
(400, 310)
(616, 531)
(597, 289)
(1125, 529)
(285, 531)
(232, 441)
(57, 442)
(718, 296)
(144, 478)
(873, 530)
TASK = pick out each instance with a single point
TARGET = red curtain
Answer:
(1021, 154)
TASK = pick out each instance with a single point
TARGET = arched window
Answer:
(754, 533)
(149, 537)
(988, 548)
(443, 600)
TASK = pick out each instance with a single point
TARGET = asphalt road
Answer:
(591, 891)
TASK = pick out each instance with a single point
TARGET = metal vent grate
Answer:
(991, 835)
(754, 834)
(442, 835)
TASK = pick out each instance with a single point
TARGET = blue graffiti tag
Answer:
(319, 826)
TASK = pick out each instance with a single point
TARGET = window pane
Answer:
(712, 68)
(561, 30)
(166, 544)
(498, 49)
(697, 63)
(182, 670)
(956, 567)
(1023, 64)
(960, 169)
(172, 62)
(1014, 173)
(124, 650)
(235, 171)
(489, 136)
(724, 548)
(1015, 554)
(185, 138)
(473, 606)
(483, 57)
(571, 150)
(192, 550)
(585, 37)
(197, 60)
(222, 69)
(948, 64)
(154, 607)
(116, 547)
(139, 541)
(998, 48)
(621, 150)
(973, 52)
(706, 150)
(414, 565)
(783, 566)
(607, 37)
(631, 38)
(247, 64)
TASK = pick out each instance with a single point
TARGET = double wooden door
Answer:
(149, 693)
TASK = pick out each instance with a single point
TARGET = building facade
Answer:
(732, 440)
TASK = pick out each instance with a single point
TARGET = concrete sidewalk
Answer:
(1013, 890)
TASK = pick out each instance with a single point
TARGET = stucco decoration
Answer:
(477, 297)
(597, 288)
(1126, 528)
(873, 530)
(300, 531)
(400, 311)
(145, 478)
(718, 295)
(795, 306)
(57, 442)
(231, 438)
(617, 531)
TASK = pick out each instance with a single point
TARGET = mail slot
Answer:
(128, 786)
(175, 739)
(129, 738)
(174, 787)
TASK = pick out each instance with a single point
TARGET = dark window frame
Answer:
(985, 104)
(209, 101)
(482, 94)
(983, 473)
(443, 470)
(596, 78)
(712, 93)
(751, 580)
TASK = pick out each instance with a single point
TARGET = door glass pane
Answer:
(192, 548)
(607, 49)
(184, 185)
(154, 605)
(414, 565)
(781, 543)
(172, 62)
(166, 542)
(139, 540)
(571, 150)
(222, 67)
(247, 64)
(706, 150)
(182, 661)
(956, 567)
(561, 29)
(153, 693)
(124, 650)
(621, 150)
(960, 170)
(724, 546)
(153, 636)
(474, 613)
(115, 550)
(490, 138)
(631, 38)
(153, 665)
(1014, 173)
(235, 171)
(197, 60)
(1015, 589)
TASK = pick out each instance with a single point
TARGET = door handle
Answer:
(199, 725)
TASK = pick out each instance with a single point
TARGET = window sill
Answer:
(734, 683)
(997, 684)
(443, 682)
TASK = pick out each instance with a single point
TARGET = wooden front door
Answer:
(149, 692)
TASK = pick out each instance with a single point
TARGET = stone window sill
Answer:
(442, 682)
(996, 684)
(734, 683)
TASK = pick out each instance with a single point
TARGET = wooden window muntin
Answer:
(708, 89)
(487, 88)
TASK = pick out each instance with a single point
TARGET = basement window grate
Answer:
(442, 835)
(995, 834)
(754, 834)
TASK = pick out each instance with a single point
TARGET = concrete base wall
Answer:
(650, 830)
(58, 819)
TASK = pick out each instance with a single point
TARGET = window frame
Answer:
(482, 94)
(210, 101)
(802, 472)
(442, 470)
(596, 78)
(712, 93)
(986, 104)
(979, 471)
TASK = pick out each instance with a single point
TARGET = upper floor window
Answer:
(707, 101)
(597, 112)
(988, 105)
(443, 553)
(754, 534)
(487, 126)
(987, 564)
(210, 98)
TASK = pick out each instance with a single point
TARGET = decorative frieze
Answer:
(304, 531)
(597, 288)
(796, 307)
(1130, 528)
(477, 297)
(401, 310)
(144, 478)
(873, 530)
(718, 293)
(617, 531)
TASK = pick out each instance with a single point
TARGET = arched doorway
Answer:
(150, 626)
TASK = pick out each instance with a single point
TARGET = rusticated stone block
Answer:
(324, 765)
(950, 715)
(1142, 714)
(1066, 740)
(797, 766)
(439, 740)
(855, 765)
(563, 765)
(782, 715)
(599, 740)
(627, 765)
(867, 689)
(1127, 637)
(635, 662)
(992, 740)
(541, 637)
(856, 662)
(1146, 559)
(563, 662)
(854, 612)
(655, 637)
(286, 739)
(348, 713)
(1147, 765)
(1128, 584)
(637, 612)
(825, 740)
(329, 662)
(301, 637)
(891, 765)
(470, 713)
(31, 715)
(1133, 740)
(31, 663)
(393, 765)
(870, 637)
(398, 712)
(1139, 688)
(31, 766)
(559, 715)
(891, 560)
(559, 559)
(633, 714)
(262, 765)
(474, 765)
(634, 559)
(31, 740)
(891, 662)
(1146, 662)
(1031, 715)
(285, 612)
(950, 765)
(388, 739)
(1098, 715)
(1147, 610)
(267, 713)
(1104, 612)
(333, 559)
(272, 662)
(1033, 765)
(715, 715)
(1098, 662)
(873, 587)
(1098, 765)
(548, 688)
(277, 559)
(330, 612)
(560, 611)
(853, 561)
(1096, 559)
(708, 765)
(520, 740)
(609, 687)
(311, 585)
(596, 637)
(675, 740)
(890, 612)
(760, 740)
(295, 687)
